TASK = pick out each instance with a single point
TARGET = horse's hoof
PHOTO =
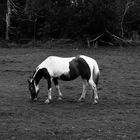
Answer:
(59, 99)
(95, 102)
(35, 99)
(47, 101)
(81, 100)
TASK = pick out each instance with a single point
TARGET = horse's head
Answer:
(32, 89)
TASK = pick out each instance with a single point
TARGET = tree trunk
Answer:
(8, 16)
(27, 6)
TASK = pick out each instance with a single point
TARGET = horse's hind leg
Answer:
(94, 90)
(84, 90)
(55, 80)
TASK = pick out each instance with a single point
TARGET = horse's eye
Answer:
(31, 88)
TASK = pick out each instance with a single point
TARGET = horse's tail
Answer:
(96, 73)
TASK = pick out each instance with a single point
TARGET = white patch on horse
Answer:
(56, 66)
(50, 94)
(36, 87)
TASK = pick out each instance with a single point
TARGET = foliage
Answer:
(75, 19)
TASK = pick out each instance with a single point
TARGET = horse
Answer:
(56, 68)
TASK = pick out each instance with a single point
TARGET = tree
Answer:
(76, 19)
(127, 6)
(8, 18)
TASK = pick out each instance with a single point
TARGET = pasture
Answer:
(115, 117)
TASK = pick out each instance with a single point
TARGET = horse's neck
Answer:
(37, 76)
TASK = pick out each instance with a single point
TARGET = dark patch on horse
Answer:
(41, 73)
(78, 67)
(84, 68)
(55, 80)
(73, 73)
(49, 83)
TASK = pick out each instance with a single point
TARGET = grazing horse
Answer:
(58, 68)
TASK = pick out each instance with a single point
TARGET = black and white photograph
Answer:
(69, 69)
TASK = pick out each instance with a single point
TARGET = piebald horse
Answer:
(58, 68)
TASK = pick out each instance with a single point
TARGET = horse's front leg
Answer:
(47, 101)
(55, 80)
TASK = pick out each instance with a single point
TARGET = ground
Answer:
(115, 117)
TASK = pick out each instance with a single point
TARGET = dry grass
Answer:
(115, 117)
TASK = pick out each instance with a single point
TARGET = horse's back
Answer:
(56, 65)
(89, 60)
(72, 66)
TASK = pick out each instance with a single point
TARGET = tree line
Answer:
(74, 19)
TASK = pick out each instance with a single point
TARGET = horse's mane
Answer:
(33, 75)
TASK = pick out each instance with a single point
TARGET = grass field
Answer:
(115, 117)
